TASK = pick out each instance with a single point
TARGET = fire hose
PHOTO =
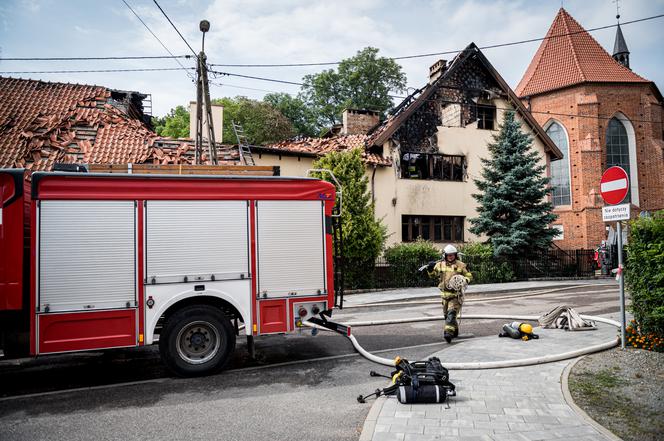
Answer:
(345, 329)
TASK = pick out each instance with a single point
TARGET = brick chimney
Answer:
(436, 70)
(359, 122)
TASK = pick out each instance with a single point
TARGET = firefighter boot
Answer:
(451, 326)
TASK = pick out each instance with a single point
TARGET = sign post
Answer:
(614, 186)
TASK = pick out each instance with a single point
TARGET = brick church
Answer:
(599, 113)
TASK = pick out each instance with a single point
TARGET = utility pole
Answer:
(203, 105)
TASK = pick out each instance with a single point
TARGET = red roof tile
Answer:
(569, 55)
(321, 146)
(44, 123)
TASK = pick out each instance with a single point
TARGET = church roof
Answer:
(619, 46)
(569, 55)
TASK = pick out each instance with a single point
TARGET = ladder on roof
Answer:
(243, 145)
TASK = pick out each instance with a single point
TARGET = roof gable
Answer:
(569, 55)
(410, 106)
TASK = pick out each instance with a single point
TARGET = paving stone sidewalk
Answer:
(512, 404)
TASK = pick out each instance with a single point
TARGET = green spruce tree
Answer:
(363, 236)
(513, 208)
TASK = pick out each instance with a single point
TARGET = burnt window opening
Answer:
(432, 166)
(433, 228)
(486, 116)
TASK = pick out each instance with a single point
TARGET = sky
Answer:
(296, 31)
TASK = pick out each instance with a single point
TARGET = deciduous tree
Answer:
(293, 108)
(261, 122)
(364, 81)
(175, 124)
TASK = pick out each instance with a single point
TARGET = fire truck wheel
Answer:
(196, 340)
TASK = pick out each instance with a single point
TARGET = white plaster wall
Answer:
(289, 165)
(441, 198)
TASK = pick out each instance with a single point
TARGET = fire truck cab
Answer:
(93, 261)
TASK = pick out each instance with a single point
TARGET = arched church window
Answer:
(560, 181)
(617, 147)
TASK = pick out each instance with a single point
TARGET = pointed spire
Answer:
(620, 51)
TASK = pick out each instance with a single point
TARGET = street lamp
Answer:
(204, 26)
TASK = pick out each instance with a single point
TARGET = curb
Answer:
(372, 417)
(567, 396)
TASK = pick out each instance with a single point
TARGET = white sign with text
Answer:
(615, 213)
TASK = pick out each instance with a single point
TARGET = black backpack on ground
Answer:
(417, 382)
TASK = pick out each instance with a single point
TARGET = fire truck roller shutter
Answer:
(200, 240)
(87, 255)
(291, 251)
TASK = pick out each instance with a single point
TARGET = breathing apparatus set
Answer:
(417, 382)
(518, 330)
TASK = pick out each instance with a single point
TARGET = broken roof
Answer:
(407, 108)
(320, 146)
(569, 55)
(43, 123)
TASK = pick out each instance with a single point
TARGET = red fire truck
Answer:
(92, 261)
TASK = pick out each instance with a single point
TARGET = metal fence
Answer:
(486, 269)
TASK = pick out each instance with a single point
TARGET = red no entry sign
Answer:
(614, 185)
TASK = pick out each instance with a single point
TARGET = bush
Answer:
(644, 272)
(421, 250)
(484, 266)
(405, 259)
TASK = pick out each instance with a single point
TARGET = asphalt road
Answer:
(299, 387)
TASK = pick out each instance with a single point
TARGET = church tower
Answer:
(600, 114)
(620, 51)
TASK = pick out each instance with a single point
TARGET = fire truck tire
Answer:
(196, 340)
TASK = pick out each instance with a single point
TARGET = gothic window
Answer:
(560, 179)
(617, 147)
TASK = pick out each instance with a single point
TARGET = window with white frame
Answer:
(560, 176)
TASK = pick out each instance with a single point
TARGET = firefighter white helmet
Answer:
(450, 249)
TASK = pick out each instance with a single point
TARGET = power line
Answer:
(176, 29)
(95, 70)
(160, 42)
(272, 80)
(136, 57)
(432, 54)
(248, 88)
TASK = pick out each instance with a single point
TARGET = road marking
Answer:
(83, 389)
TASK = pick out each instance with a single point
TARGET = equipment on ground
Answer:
(418, 382)
(96, 261)
(518, 330)
(564, 317)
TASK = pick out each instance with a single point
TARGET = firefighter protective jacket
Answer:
(445, 271)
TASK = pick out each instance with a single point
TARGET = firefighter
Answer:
(451, 290)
